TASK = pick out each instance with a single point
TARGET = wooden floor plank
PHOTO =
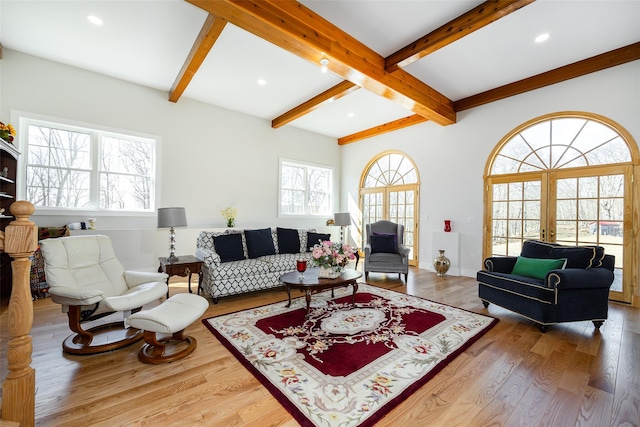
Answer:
(596, 408)
(513, 376)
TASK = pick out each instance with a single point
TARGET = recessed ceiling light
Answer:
(94, 20)
(324, 62)
(351, 114)
(262, 82)
(542, 37)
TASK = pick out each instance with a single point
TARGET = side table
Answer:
(185, 266)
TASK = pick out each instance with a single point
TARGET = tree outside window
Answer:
(305, 189)
(69, 167)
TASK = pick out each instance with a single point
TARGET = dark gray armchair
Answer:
(385, 251)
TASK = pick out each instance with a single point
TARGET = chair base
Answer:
(166, 350)
(101, 338)
(406, 275)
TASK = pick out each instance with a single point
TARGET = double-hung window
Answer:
(71, 167)
(305, 189)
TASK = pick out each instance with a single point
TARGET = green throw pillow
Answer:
(536, 267)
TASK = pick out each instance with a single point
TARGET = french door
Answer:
(570, 207)
(397, 204)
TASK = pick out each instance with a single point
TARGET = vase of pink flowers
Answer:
(331, 258)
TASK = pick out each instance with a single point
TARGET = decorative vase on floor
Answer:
(441, 264)
(329, 272)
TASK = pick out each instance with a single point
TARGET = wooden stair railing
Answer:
(18, 389)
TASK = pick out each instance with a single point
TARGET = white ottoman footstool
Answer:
(171, 317)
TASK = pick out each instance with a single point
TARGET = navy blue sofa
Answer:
(577, 292)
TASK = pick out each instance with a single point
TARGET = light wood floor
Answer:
(513, 376)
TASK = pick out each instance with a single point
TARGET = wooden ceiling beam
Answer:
(207, 37)
(293, 27)
(379, 130)
(590, 65)
(336, 92)
(478, 17)
(586, 66)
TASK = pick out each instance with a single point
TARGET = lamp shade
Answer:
(342, 219)
(171, 217)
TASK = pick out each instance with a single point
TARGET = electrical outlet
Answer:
(472, 257)
(471, 220)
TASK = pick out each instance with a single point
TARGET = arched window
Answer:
(389, 190)
(565, 178)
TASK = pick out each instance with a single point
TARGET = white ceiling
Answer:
(146, 42)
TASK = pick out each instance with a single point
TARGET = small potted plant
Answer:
(7, 132)
(230, 214)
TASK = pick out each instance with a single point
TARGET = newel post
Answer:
(18, 389)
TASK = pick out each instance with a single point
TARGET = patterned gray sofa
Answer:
(241, 261)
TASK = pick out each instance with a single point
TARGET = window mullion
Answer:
(305, 207)
(96, 148)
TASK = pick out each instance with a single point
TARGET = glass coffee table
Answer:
(310, 283)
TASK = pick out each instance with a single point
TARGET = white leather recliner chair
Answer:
(85, 276)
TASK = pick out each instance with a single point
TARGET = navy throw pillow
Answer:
(229, 247)
(315, 238)
(259, 243)
(288, 240)
(385, 243)
(577, 256)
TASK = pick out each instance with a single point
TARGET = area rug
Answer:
(347, 365)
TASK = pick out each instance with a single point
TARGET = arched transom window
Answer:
(561, 143)
(391, 169)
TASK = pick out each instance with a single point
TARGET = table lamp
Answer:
(169, 218)
(342, 220)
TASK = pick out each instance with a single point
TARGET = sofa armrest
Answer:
(210, 258)
(579, 278)
(502, 264)
(367, 249)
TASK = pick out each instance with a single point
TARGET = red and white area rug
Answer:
(348, 365)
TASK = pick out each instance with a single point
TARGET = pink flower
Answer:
(421, 349)
(380, 389)
(290, 381)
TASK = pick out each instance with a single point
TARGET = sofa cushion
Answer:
(385, 257)
(315, 238)
(241, 270)
(577, 256)
(229, 247)
(536, 267)
(528, 287)
(384, 242)
(259, 243)
(288, 240)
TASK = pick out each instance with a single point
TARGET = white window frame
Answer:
(96, 132)
(306, 166)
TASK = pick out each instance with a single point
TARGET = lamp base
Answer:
(172, 246)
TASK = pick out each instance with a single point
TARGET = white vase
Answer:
(329, 272)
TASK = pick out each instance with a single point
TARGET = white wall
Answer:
(209, 157)
(451, 160)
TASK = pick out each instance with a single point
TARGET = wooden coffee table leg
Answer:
(289, 294)
(307, 296)
(355, 289)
